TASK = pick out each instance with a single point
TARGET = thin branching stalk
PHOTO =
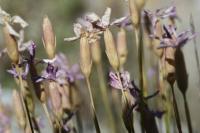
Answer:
(187, 113)
(176, 112)
(44, 106)
(93, 107)
(105, 96)
(24, 102)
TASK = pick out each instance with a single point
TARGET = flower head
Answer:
(161, 13)
(15, 74)
(172, 39)
(123, 83)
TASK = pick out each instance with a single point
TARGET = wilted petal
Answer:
(105, 20)
(91, 17)
(85, 24)
(19, 20)
(12, 31)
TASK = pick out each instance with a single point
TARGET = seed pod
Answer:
(49, 40)
(64, 91)
(140, 4)
(19, 110)
(11, 45)
(135, 13)
(55, 98)
(96, 52)
(156, 42)
(181, 72)
(122, 46)
(111, 50)
(85, 56)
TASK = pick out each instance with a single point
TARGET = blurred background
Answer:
(63, 14)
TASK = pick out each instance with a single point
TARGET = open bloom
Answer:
(161, 13)
(123, 82)
(172, 39)
(59, 71)
(15, 74)
(94, 25)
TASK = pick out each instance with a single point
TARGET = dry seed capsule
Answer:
(140, 3)
(156, 42)
(111, 50)
(85, 56)
(49, 38)
(96, 52)
(55, 98)
(135, 13)
(11, 45)
(64, 92)
(122, 46)
(19, 110)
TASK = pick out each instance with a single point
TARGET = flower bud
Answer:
(19, 110)
(122, 46)
(49, 40)
(11, 45)
(111, 50)
(55, 98)
(96, 52)
(85, 56)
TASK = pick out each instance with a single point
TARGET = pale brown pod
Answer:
(65, 95)
(122, 46)
(55, 98)
(96, 52)
(135, 13)
(111, 50)
(85, 56)
(49, 40)
(140, 3)
(19, 110)
(156, 42)
(11, 45)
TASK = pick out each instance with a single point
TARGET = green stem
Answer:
(105, 96)
(24, 102)
(187, 112)
(96, 123)
(176, 112)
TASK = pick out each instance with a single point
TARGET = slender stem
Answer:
(93, 107)
(24, 102)
(176, 112)
(124, 97)
(44, 106)
(79, 122)
(187, 112)
(105, 96)
(138, 37)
